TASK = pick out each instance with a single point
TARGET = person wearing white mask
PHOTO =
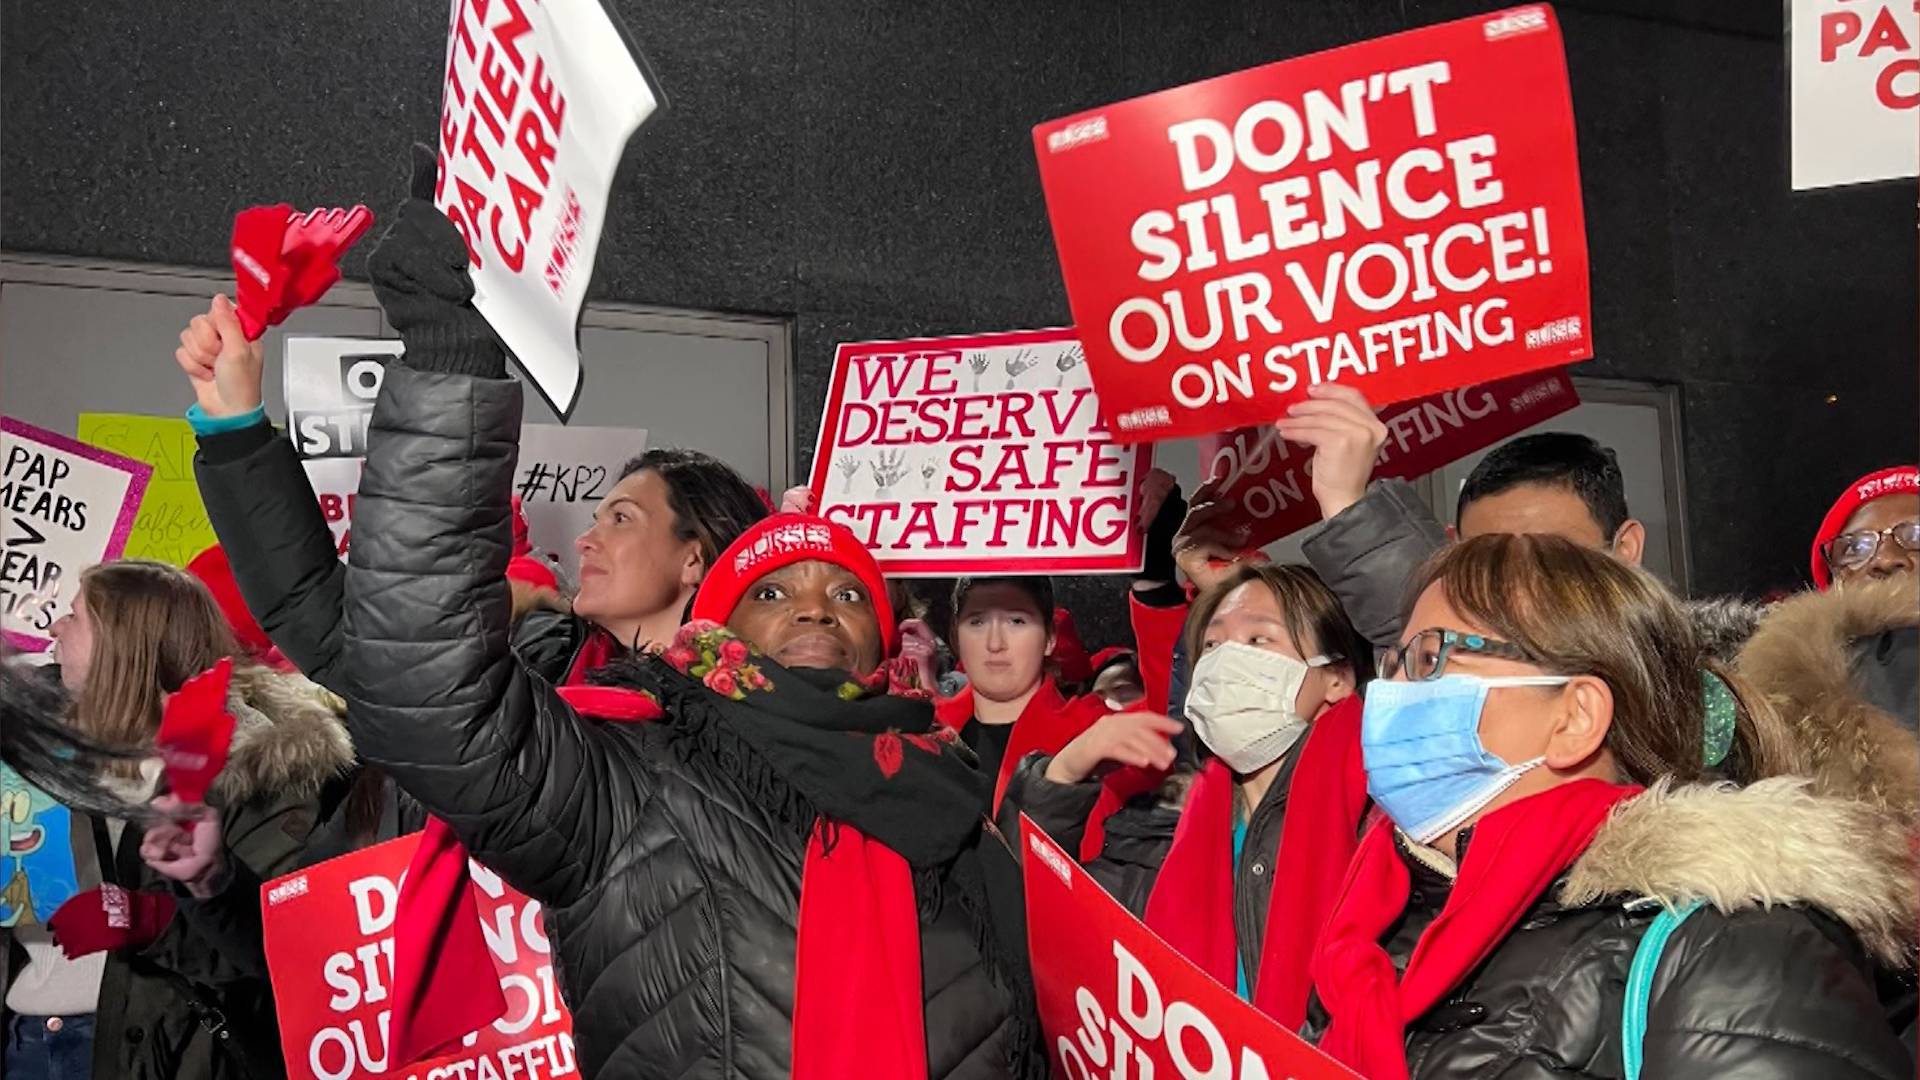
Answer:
(1273, 699)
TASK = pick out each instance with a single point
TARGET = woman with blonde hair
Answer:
(1591, 862)
(157, 999)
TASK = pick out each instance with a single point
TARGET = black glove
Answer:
(419, 273)
(1161, 534)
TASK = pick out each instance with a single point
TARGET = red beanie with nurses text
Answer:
(1899, 480)
(783, 540)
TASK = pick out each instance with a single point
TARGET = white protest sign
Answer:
(331, 383)
(1855, 73)
(64, 506)
(983, 454)
(540, 98)
(336, 483)
(562, 475)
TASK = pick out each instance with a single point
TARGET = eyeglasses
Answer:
(1423, 657)
(1851, 551)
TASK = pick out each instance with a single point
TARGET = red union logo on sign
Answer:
(1085, 131)
(1524, 21)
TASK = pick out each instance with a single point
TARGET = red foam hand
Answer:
(285, 260)
(314, 243)
(259, 271)
(195, 731)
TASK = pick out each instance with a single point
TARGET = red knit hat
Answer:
(1899, 480)
(213, 570)
(782, 540)
(1109, 655)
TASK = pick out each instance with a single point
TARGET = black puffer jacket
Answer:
(1770, 982)
(671, 891)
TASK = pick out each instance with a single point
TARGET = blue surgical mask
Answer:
(1426, 766)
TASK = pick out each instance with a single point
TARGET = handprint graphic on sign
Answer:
(927, 472)
(1019, 364)
(1070, 359)
(979, 362)
(849, 467)
(887, 471)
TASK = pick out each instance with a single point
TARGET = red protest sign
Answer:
(977, 455)
(329, 944)
(1268, 480)
(1382, 215)
(1117, 1001)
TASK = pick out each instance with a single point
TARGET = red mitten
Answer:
(110, 917)
(195, 732)
(260, 274)
(313, 245)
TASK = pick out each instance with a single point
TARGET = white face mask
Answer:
(1242, 703)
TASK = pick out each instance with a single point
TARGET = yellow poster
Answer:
(172, 526)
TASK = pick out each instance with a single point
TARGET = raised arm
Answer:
(1374, 538)
(258, 499)
(439, 699)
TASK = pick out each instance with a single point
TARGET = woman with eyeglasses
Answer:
(1543, 744)
(1234, 866)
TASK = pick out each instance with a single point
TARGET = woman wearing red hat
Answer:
(754, 861)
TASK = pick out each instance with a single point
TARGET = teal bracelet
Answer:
(219, 425)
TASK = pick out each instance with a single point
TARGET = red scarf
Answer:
(1515, 855)
(445, 984)
(858, 1004)
(858, 940)
(1192, 904)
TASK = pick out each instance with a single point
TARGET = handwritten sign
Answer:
(1383, 215)
(1855, 100)
(562, 473)
(329, 944)
(331, 384)
(561, 476)
(1117, 1001)
(172, 525)
(1269, 482)
(64, 506)
(37, 872)
(540, 100)
(976, 455)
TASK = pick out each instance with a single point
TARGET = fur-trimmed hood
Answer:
(1802, 659)
(288, 737)
(529, 598)
(1774, 842)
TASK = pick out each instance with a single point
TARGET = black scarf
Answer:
(812, 744)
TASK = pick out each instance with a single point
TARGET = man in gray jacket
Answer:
(1376, 536)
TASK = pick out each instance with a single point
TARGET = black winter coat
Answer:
(1772, 983)
(671, 893)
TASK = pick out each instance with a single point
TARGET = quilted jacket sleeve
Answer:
(440, 701)
(1768, 995)
(1368, 553)
(265, 514)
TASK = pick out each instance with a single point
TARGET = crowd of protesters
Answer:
(1419, 800)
